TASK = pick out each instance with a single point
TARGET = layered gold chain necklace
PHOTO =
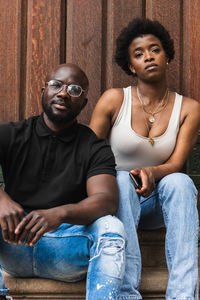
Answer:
(162, 104)
(157, 109)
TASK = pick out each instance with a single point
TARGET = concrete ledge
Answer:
(153, 280)
(153, 283)
(39, 288)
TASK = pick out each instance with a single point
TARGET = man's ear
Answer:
(85, 101)
(132, 69)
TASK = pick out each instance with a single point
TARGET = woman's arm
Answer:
(106, 111)
(186, 140)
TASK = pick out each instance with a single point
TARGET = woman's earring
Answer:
(132, 69)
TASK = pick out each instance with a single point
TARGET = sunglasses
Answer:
(73, 90)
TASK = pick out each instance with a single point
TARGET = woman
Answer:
(152, 131)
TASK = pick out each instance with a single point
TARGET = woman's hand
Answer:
(148, 181)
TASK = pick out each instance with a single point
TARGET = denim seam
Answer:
(128, 298)
(89, 236)
(34, 269)
(175, 298)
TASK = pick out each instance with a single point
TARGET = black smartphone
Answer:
(136, 181)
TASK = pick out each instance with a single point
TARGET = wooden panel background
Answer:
(36, 35)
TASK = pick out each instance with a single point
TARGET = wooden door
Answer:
(36, 35)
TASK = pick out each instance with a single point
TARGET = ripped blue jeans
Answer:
(70, 252)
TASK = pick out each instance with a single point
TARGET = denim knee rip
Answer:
(114, 247)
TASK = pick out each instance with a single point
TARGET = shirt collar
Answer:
(66, 135)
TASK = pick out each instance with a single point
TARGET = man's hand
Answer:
(35, 224)
(11, 214)
(148, 180)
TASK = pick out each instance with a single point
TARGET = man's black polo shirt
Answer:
(43, 169)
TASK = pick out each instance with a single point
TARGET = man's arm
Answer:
(102, 200)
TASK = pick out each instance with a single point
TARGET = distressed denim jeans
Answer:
(70, 252)
(173, 205)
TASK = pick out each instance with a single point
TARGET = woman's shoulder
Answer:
(190, 104)
(190, 108)
(111, 99)
(113, 93)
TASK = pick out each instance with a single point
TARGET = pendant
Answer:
(151, 141)
(152, 119)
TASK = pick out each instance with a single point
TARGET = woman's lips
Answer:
(151, 67)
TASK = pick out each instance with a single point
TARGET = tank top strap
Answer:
(175, 116)
(124, 115)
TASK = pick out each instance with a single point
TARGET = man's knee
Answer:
(109, 252)
(108, 225)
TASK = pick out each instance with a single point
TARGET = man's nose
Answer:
(63, 93)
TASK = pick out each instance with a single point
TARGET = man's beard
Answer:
(57, 119)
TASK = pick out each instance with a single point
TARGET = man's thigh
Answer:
(62, 254)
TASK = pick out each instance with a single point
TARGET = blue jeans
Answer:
(173, 204)
(70, 252)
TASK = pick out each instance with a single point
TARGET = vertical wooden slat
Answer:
(168, 13)
(84, 35)
(191, 48)
(191, 73)
(119, 14)
(10, 37)
(43, 48)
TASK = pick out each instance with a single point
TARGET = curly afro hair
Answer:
(138, 27)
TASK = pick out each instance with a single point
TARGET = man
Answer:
(60, 194)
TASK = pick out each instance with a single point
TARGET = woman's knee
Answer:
(179, 188)
(179, 182)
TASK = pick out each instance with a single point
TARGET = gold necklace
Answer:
(157, 110)
(150, 139)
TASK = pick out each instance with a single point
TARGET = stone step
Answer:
(153, 285)
(153, 281)
(152, 246)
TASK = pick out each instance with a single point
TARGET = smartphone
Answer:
(136, 181)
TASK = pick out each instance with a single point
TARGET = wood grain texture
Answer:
(43, 48)
(10, 37)
(168, 13)
(119, 13)
(84, 45)
(191, 48)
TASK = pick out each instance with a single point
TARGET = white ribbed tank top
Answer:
(132, 150)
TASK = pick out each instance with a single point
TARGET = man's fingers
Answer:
(4, 230)
(22, 224)
(11, 229)
(29, 227)
(34, 238)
